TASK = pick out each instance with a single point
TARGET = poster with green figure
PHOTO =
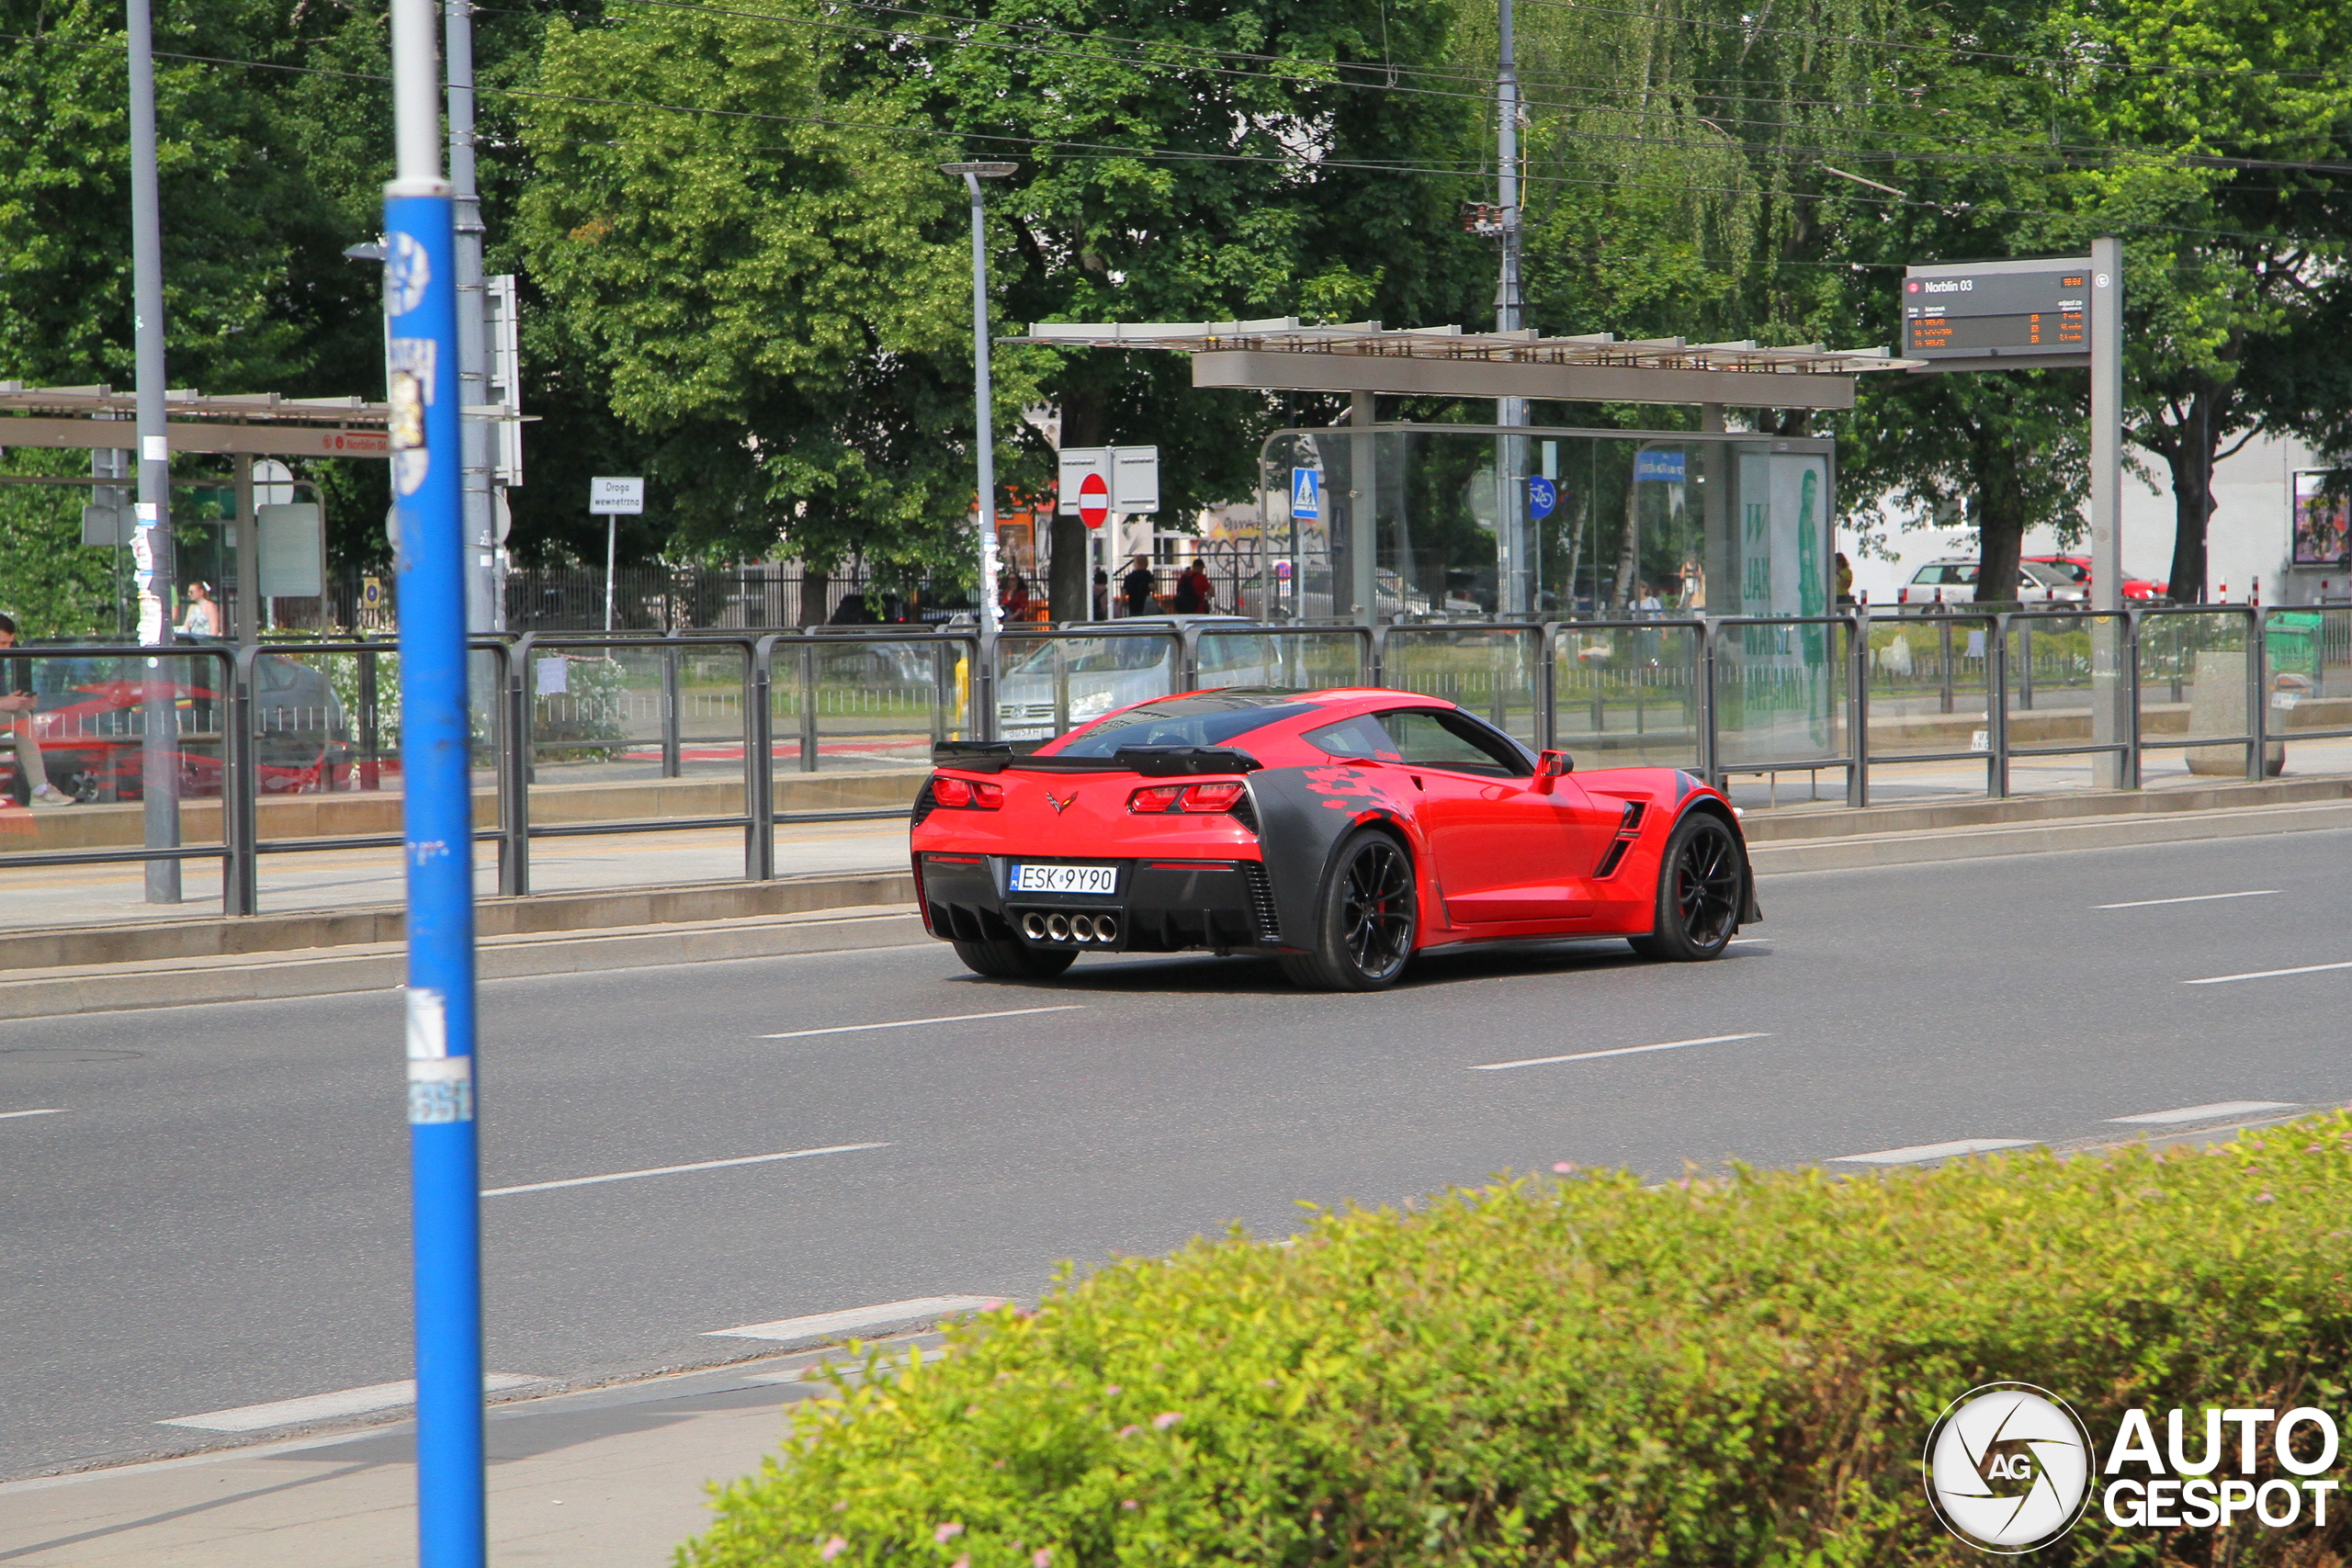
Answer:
(1813, 595)
(1787, 708)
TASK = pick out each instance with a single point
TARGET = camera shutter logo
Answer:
(2007, 1467)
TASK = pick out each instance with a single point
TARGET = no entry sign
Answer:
(1094, 501)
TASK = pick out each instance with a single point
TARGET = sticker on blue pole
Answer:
(1306, 492)
(1662, 468)
(1543, 495)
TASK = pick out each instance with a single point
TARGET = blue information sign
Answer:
(1663, 467)
(1306, 492)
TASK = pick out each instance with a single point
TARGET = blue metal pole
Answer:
(427, 472)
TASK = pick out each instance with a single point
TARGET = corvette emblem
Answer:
(1059, 803)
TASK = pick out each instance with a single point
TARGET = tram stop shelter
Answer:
(242, 426)
(1371, 522)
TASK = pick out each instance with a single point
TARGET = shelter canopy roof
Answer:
(1288, 336)
(186, 403)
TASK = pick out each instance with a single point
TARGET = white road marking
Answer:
(327, 1407)
(1620, 1051)
(2267, 974)
(818, 1326)
(2206, 1112)
(678, 1169)
(2193, 898)
(5, 1114)
(916, 1022)
(1937, 1151)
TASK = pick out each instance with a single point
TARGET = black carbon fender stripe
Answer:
(1304, 814)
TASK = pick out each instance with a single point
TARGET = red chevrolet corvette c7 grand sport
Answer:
(1340, 831)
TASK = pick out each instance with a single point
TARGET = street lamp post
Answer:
(983, 689)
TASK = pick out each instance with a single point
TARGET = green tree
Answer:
(2225, 133)
(1199, 160)
(767, 287)
(49, 584)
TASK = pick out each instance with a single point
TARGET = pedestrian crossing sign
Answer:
(1306, 492)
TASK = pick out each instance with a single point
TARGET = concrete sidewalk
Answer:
(610, 1478)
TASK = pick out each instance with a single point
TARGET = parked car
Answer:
(1954, 582)
(2077, 571)
(1108, 672)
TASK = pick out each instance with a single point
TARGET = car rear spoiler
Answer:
(1152, 761)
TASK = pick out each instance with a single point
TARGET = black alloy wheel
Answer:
(1701, 886)
(1367, 922)
(1013, 960)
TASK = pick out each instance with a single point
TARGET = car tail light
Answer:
(1204, 798)
(1903, 595)
(1212, 796)
(966, 793)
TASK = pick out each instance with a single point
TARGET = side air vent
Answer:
(1629, 828)
(924, 805)
(1261, 900)
(1245, 811)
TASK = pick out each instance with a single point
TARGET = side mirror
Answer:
(1549, 766)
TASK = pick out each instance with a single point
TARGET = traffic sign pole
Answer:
(983, 685)
(420, 300)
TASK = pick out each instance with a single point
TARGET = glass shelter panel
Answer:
(1627, 695)
(2194, 712)
(1533, 522)
(1492, 672)
(1779, 691)
(2308, 688)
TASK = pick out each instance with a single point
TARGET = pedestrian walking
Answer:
(1102, 595)
(203, 617)
(1013, 602)
(31, 786)
(1137, 586)
(1194, 591)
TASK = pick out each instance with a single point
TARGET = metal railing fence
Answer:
(582, 733)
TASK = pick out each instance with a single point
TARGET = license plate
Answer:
(1034, 877)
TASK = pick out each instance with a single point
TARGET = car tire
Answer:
(1701, 887)
(1366, 920)
(1013, 960)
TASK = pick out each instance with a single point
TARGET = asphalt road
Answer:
(216, 1215)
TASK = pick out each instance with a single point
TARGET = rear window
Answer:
(1206, 718)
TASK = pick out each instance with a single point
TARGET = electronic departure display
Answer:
(2037, 310)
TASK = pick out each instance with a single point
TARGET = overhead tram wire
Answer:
(1164, 154)
(1957, 50)
(2072, 155)
(1961, 51)
(1011, 45)
(1339, 79)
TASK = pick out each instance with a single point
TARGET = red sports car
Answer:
(1340, 831)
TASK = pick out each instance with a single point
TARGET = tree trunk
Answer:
(1997, 504)
(2189, 455)
(1082, 425)
(1622, 597)
(814, 581)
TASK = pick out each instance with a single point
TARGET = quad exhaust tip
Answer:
(1070, 928)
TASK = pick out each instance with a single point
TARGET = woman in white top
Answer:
(203, 617)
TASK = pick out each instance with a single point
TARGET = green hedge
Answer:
(1585, 1371)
